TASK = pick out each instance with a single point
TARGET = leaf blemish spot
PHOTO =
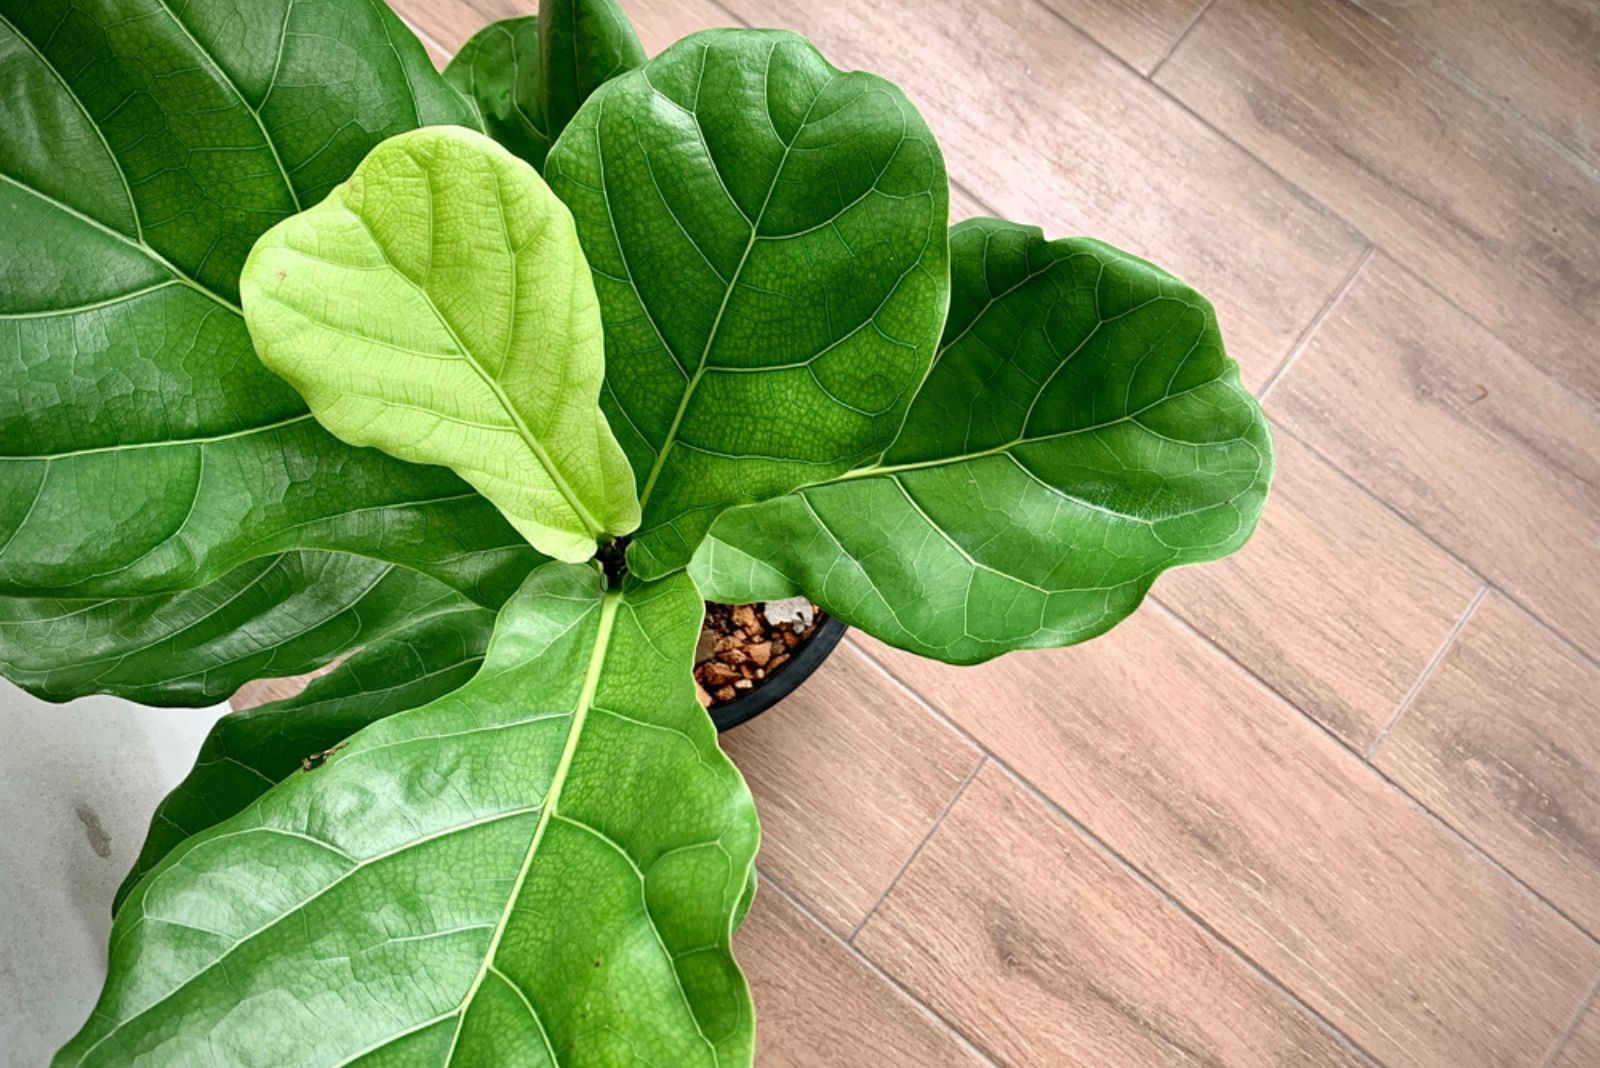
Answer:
(313, 761)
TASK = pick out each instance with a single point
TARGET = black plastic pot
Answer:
(786, 680)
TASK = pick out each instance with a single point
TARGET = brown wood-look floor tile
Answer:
(662, 22)
(1336, 603)
(1038, 121)
(1583, 1048)
(821, 1006)
(849, 776)
(1141, 32)
(1044, 950)
(659, 22)
(1503, 742)
(1489, 457)
(436, 51)
(1460, 191)
(1536, 56)
(451, 22)
(1286, 844)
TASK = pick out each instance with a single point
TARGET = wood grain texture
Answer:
(849, 775)
(1286, 844)
(1582, 1050)
(1336, 603)
(1040, 123)
(436, 50)
(659, 22)
(1539, 57)
(1489, 457)
(821, 1006)
(1458, 190)
(1044, 951)
(1141, 32)
(1502, 743)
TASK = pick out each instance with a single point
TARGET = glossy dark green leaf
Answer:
(278, 615)
(528, 77)
(1081, 432)
(768, 240)
(542, 867)
(248, 752)
(143, 448)
(437, 306)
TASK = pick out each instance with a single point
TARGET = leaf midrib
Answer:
(887, 470)
(223, 77)
(733, 279)
(178, 275)
(596, 529)
(610, 601)
(127, 187)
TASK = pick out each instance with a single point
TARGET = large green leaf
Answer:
(542, 867)
(279, 615)
(768, 241)
(1082, 432)
(437, 306)
(143, 448)
(528, 75)
(248, 752)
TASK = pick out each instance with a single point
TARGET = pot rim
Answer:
(785, 680)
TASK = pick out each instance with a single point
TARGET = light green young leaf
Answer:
(437, 306)
(1082, 432)
(540, 868)
(146, 145)
(768, 236)
(528, 75)
(275, 616)
(247, 752)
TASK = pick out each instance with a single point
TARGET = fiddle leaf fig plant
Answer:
(469, 390)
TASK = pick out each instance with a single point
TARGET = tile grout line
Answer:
(1303, 342)
(1317, 203)
(1455, 833)
(1278, 426)
(1173, 902)
(1183, 35)
(1293, 187)
(927, 706)
(871, 965)
(1144, 880)
(1428, 671)
(983, 758)
(1447, 68)
(974, 197)
(1590, 1002)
